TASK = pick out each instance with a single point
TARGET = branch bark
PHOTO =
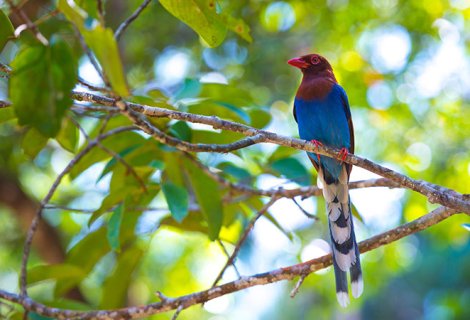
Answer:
(287, 273)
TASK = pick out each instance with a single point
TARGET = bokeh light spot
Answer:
(172, 66)
(379, 95)
(351, 61)
(278, 16)
(419, 156)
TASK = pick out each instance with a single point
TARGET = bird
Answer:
(322, 112)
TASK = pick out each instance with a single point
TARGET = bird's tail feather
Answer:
(343, 240)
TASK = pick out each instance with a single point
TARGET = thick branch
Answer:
(441, 195)
(287, 273)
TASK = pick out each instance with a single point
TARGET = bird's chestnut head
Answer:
(311, 63)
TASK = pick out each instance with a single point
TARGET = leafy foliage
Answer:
(48, 74)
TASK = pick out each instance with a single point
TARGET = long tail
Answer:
(345, 250)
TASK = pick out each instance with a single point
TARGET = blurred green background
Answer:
(406, 69)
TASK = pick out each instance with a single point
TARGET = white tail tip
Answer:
(357, 287)
(343, 298)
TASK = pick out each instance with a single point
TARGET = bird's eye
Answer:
(315, 60)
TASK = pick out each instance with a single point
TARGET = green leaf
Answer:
(93, 246)
(59, 271)
(239, 27)
(193, 222)
(114, 227)
(356, 213)
(118, 143)
(237, 172)
(204, 136)
(259, 118)
(6, 114)
(47, 74)
(208, 196)
(116, 286)
(201, 16)
(280, 153)
(177, 199)
(292, 169)
(181, 130)
(68, 135)
(111, 163)
(33, 142)
(6, 29)
(101, 41)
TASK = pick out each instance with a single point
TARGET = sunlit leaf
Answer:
(116, 284)
(68, 135)
(259, 118)
(239, 27)
(201, 16)
(59, 271)
(47, 74)
(93, 246)
(194, 222)
(33, 142)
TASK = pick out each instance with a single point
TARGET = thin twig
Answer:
(224, 249)
(112, 153)
(90, 56)
(294, 291)
(28, 23)
(147, 127)
(100, 9)
(88, 85)
(243, 238)
(47, 16)
(123, 26)
(286, 273)
(307, 214)
(177, 312)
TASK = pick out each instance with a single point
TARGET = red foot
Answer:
(343, 153)
(317, 144)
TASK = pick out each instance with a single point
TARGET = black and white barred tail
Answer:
(343, 241)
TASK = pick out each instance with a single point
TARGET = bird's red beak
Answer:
(298, 63)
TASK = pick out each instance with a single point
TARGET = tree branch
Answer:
(441, 195)
(186, 301)
(131, 18)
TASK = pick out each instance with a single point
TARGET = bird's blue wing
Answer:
(327, 120)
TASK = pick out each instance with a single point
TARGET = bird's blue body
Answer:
(321, 109)
(325, 120)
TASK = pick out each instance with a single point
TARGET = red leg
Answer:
(343, 153)
(317, 144)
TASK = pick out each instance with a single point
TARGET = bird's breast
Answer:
(315, 89)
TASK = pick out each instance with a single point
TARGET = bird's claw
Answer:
(317, 144)
(343, 153)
